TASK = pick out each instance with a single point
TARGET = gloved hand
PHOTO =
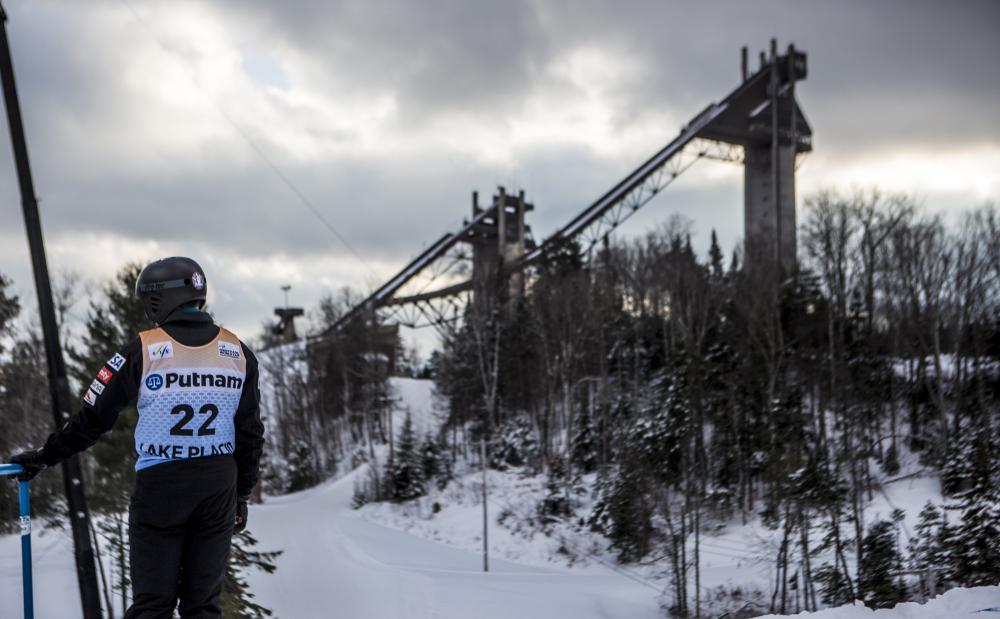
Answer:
(241, 513)
(33, 462)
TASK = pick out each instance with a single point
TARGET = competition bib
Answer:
(188, 397)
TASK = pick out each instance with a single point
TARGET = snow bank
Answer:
(978, 602)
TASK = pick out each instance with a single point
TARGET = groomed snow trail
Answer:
(338, 566)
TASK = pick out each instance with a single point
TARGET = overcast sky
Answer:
(151, 125)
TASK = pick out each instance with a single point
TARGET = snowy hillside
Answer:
(734, 558)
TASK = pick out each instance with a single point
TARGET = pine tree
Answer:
(301, 468)
(237, 600)
(956, 472)
(976, 540)
(624, 512)
(835, 589)
(556, 504)
(584, 447)
(878, 579)
(715, 257)
(436, 465)
(516, 445)
(928, 554)
(406, 468)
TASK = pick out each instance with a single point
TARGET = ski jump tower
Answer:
(759, 124)
(765, 119)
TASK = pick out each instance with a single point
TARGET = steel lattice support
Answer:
(656, 182)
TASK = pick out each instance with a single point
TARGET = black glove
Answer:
(241, 513)
(32, 461)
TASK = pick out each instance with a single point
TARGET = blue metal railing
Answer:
(24, 495)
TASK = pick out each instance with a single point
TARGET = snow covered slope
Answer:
(975, 603)
(336, 564)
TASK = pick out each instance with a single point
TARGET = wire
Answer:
(250, 142)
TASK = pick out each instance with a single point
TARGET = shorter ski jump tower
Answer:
(759, 124)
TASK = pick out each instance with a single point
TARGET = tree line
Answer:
(699, 390)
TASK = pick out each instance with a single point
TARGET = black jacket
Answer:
(191, 329)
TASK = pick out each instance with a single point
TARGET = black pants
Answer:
(180, 529)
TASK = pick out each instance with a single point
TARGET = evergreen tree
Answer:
(928, 553)
(976, 542)
(835, 588)
(25, 403)
(435, 462)
(584, 445)
(956, 471)
(556, 504)
(715, 257)
(879, 583)
(516, 445)
(624, 512)
(301, 467)
(405, 473)
(237, 600)
(10, 306)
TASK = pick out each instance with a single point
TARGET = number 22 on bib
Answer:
(188, 397)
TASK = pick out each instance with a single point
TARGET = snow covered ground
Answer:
(338, 565)
(979, 602)
(406, 561)
(733, 557)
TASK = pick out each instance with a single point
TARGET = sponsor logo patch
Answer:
(161, 350)
(154, 382)
(105, 375)
(198, 280)
(116, 362)
(231, 351)
(90, 398)
(97, 387)
(199, 379)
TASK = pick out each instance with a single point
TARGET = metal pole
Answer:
(486, 548)
(86, 572)
(24, 496)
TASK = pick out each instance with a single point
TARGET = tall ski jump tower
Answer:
(763, 116)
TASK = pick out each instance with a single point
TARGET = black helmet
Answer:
(166, 284)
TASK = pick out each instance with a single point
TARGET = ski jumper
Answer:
(198, 441)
